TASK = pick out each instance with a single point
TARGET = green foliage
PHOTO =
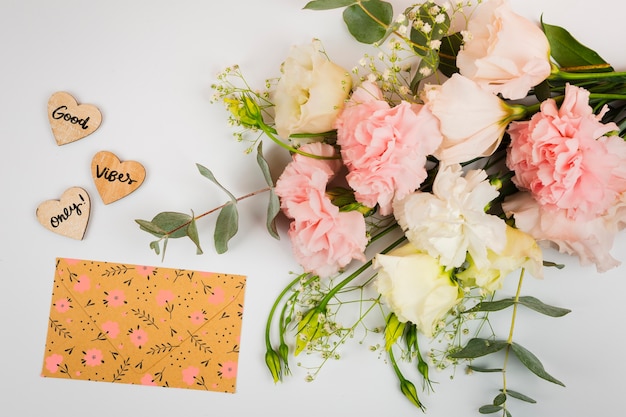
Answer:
(532, 363)
(570, 53)
(368, 20)
(519, 396)
(226, 226)
(168, 225)
(328, 4)
(528, 301)
(273, 206)
(393, 330)
(478, 347)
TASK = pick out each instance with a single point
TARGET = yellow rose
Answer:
(416, 287)
(310, 93)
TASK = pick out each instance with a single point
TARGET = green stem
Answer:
(322, 305)
(271, 133)
(270, 317)
(559, 75)
(509, 340)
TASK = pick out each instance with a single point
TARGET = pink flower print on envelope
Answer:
(189, 375)
(147, 379)
(146, 271)
(93, 357)
(164, 297)
(62, 305)
(111, 328)
(53, 361)
(115, 298)
(197, 317)
(138, 337)
(229, 370)
(83, 284)
(217, 296)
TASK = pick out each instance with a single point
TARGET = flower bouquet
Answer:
(423, 178)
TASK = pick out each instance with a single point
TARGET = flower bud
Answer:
(245, 111)
(272, 360)
(409, 391)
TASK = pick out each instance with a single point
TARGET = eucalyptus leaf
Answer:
(148, 226)
(427, 66)
(478, 347)
(192, 232)
(174, 224)
(368, 21)
(548, 310)
(489, 409)
(437, 29)
(492, 305)
(568, 52)
(499, 399)
(273, 208)
(481, 369)
(205, 172)
(226, 226)
(265, 167)
(393, 331)
(155, 247)
(533, 364)
(328, 4)
(520, 396)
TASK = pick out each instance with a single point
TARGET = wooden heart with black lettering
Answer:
(69, 120)
(115, 179)
(67, 216)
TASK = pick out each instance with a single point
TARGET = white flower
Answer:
(451, 221)
(521, 251)
(507, 53)
(415, 287)
(310, 93)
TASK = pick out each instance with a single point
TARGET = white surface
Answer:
(148, 66)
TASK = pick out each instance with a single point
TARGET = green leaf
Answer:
(553, 265)
(393, 330)
(226, 226)
(205, 172)
(450, 47)
(172, 223)
(150, 227)
(328, 4)
(492, 305)
(481, 369)
(533, 364)
(499, 399)
(568, 52)
(265, 167)
(437, 30)
(477, 347)
(489, 409)
(368, 21)
(540, 307)
(192, 232)
(427, 66)
(520, 396)
(273, 208)
(155, 247)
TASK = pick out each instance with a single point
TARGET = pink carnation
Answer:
(324, 239)
(563, 158)
(385, 147)
(590, 240)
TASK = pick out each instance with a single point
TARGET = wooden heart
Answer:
(69, 215)
(115, 179)
(69, 120)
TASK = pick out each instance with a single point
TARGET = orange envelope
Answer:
(144, 325)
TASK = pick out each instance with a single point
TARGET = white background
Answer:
(148, 66)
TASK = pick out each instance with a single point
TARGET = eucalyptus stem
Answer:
(509, 340)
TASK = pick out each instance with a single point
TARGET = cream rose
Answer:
(472, 120)
(505, 52)
(415, 287)
(310, 93)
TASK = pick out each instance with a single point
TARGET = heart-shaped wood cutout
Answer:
(115, 179)
(69, 215)
(69, 120)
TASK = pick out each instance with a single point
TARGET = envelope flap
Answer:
(131, 321)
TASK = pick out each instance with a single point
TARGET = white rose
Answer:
(521, 251)
(415, 287)
(310, 93)
(472, 120)
(505, 53)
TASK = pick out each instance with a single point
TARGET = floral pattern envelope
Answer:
(144, 325)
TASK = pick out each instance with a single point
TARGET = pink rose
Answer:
(563, 158)
(504, 52)
(324, 239)
(590, 240)
(384, 147)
